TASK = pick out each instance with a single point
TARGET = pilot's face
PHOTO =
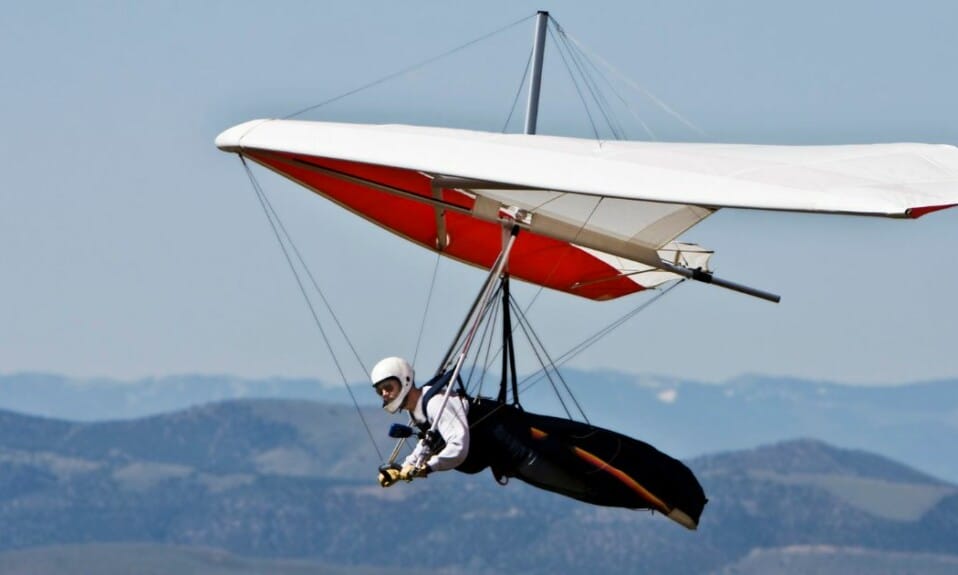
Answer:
(388, 389)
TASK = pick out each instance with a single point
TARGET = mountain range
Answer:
(270, 481)
(914, 423)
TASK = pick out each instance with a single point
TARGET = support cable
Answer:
(632, 84)
(485, 343)
(535, 343)
(581, 63)
(425, 313)
(458, 340)
(555, 388)
(315, 284)
(578, 90)
(558, 262)
(586, 80)
(588, 63)
(555, 266)
(515, 100)
(528, 381)
(276, 226)
(408, 69)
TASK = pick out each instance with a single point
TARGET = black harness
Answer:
(433, 439)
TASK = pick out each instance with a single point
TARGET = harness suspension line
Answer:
(508, 349)
(276, 226)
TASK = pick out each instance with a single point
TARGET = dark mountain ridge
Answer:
(293, 479)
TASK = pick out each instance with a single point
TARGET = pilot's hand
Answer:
(388, 476)
(410, 472)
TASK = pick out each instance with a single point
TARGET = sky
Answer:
(131, 247)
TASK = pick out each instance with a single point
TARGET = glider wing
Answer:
(600, 217)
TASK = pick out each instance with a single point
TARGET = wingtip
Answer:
(915, 213)
(230, 139)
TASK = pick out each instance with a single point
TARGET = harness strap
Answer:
(431, 389)
(508, 349)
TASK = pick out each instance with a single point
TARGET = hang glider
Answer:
(600, 219)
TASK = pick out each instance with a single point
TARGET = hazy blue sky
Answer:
(131, 247)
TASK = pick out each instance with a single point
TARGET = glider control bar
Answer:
(496, 212)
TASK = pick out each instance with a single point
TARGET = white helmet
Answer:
(394, 367)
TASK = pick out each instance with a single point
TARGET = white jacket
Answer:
(453, 427)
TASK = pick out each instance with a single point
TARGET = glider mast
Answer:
(538, 50)
(532, 116)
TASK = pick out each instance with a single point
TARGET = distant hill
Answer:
(126, 558)
(829, 560)
(270, 479)
(99, 399)
(908, 423)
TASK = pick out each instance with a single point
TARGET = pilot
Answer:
(394, 381)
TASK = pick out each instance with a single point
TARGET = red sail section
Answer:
(535, 258)
(916, 213)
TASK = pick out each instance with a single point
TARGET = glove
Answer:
(388, 476)
(409, 472)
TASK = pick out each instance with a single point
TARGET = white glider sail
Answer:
(601, 219)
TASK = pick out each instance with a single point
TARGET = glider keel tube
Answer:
(707, 277)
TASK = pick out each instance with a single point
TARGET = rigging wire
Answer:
(635, 86)
(555, 266)
(276, 226)
(408, 69)
(315, 284)
(551, 363)
(576, 84)
(528, 381)
(587, 82)
(425, 313)
(628, 106)
(485, 342)
(615, 125)
(515, 100)
(534, 341)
